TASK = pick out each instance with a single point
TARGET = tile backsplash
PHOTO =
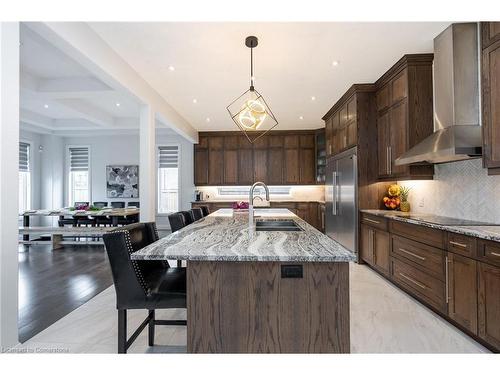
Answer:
(461, 189)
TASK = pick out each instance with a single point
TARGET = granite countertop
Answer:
(226, 236)
(273, 201)
(487, 232)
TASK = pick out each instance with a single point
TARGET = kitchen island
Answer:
(252, 291)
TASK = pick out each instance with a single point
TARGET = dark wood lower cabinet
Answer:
(375, 248)
(462, 291)
(489, 304)
(455, 275)
(249, 307)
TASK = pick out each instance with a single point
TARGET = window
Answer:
(79, 176)
(24, 177)
(168, 179)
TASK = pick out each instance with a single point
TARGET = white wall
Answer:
(124, 149)
(52, 175)
(460, 189)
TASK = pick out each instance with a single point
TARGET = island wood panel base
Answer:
(247, 307)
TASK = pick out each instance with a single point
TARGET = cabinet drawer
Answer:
(429, 236)
(460, 244)
(431, 259)
(374, 221)
(429, 289)
(489, 252)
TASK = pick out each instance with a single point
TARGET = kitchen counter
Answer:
(258, 288)
(226, 236)
(246, 200)
(487, 232)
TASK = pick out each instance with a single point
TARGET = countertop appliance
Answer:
(341, 199)
(198, 196)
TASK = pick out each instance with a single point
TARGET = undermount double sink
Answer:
(277, 226)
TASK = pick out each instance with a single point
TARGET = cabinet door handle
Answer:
(495, 254)
(390, 159)
(412, 254)
(413, 281)
(374, 254)
(447, 286)
(387, 160)
(458, 244)
(371, 221)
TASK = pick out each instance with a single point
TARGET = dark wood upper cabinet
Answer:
(275, 166)
(215, 167)
(228, 158)
(489, 304)
(405, 115)
(291, 171)
(307, 166)
(490, 33)
(201, 166)
(260, 164)
(490, 72)
(462, 291)
(245, 167)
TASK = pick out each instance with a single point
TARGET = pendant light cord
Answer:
(251, 68)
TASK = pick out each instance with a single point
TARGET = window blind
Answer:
(168, 156)
(79, 159)
(24, 157)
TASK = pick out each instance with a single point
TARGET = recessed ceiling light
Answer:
(171, 68)
(313, 98)
(118, 104)
(208, 119)
(45, 106)
(301, 117)
(335, 63)
(195, 101)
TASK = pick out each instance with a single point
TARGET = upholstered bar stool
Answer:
(148, 284)
(177, 222)
(197, 213)
(205, 210)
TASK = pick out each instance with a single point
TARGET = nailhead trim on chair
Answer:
(157, 236)
(137, 270)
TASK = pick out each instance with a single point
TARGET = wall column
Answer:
(147, 164)
(9, 172)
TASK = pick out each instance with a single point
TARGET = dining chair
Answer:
(101, 220)
(148, 285)
(118, 204)
(100, 204)
(134, 204)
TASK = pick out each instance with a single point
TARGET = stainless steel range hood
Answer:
(457, 130)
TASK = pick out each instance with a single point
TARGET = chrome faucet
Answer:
(251, 198)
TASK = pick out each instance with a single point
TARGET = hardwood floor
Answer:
(54, 283)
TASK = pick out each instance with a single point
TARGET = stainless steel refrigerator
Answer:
(341, 199)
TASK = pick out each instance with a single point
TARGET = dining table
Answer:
(113, 213)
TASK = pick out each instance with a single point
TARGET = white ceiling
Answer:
(293, 62)
(59, 96)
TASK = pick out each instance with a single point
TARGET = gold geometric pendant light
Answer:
(250, 111)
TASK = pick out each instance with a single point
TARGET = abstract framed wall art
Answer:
(122, 181)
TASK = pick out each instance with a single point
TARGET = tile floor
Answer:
(383, 320)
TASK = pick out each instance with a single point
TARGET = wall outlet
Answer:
(421, 202)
